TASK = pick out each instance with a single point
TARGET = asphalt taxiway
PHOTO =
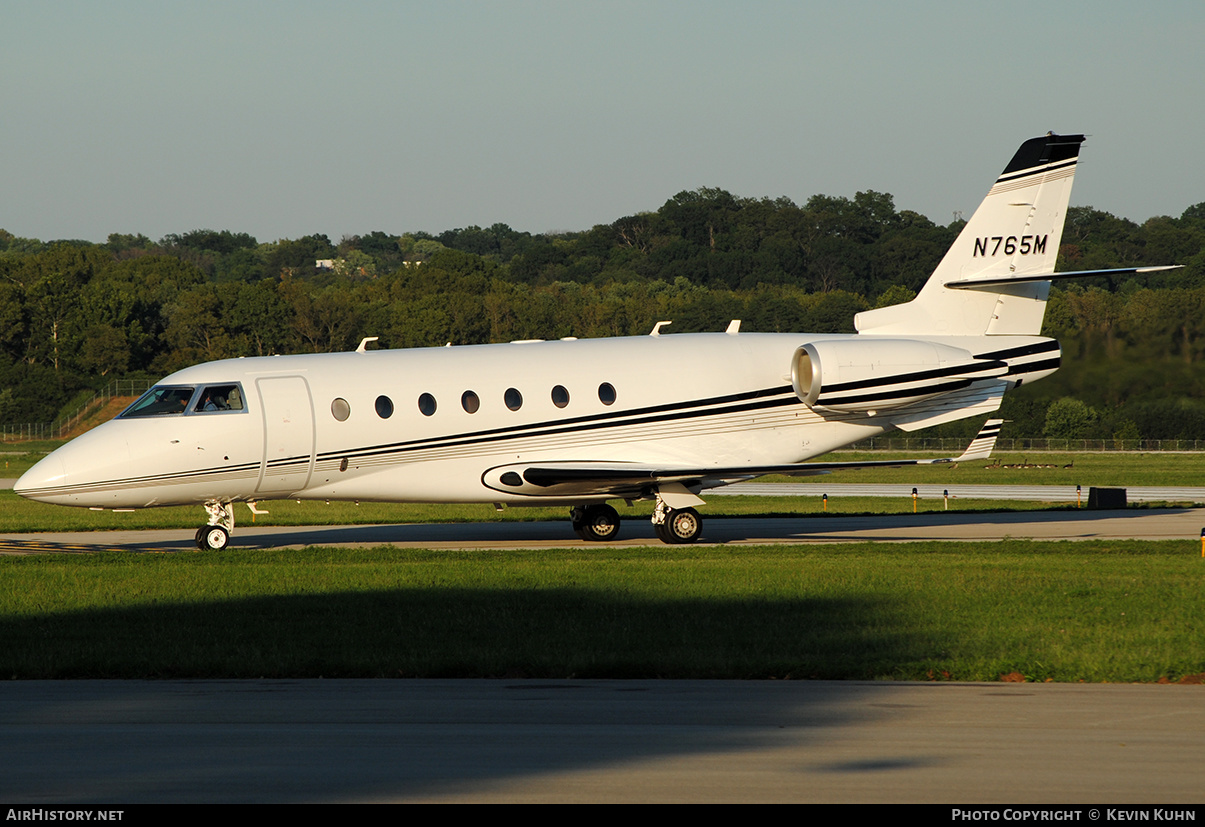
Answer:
(1142, 524)
(125, 742)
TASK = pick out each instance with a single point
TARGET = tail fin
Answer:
(1014, 233)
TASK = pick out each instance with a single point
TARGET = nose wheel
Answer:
(212, 538)
(216, 535)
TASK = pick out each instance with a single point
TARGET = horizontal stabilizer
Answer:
(1000, 281)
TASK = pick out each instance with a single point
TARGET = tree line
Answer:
(74, 315)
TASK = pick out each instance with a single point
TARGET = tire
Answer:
(212, 538)
(681, 526)
(599, 524)
(662, 532)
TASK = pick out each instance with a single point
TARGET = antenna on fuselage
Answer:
(363, 348)
(657, 327)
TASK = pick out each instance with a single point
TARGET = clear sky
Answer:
(281, 119)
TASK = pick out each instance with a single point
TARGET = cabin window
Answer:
(160, 401)
(560, 396)
(606, 393)
(384, 407)
(470, 402)
(219, 398)
(426, 404)
(514, 399)
(340, 410)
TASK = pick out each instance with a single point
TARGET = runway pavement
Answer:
(126, 742)
(1142, 524)
(1149, 524)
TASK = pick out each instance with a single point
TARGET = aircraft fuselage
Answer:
(429, 425)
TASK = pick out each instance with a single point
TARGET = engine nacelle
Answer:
(872, 374)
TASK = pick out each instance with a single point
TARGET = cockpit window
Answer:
(219, 398)
(160, 401)
(169, 400)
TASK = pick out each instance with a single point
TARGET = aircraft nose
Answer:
(40, 482)
(81, 472)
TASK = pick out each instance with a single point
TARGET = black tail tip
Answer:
(1048, 149)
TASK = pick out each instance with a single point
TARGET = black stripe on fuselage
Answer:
(1023, 350)
(1049, 346)
(1034, 367)
(734, 403)
(894, 395)
(919, 376)
(714, 406)
(245, 470)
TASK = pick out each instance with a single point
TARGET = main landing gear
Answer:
(216, 535)
(595, 523)
(676, 525)
(600, 523)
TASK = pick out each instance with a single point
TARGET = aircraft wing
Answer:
(634, 480)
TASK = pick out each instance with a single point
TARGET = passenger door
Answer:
(288, 434)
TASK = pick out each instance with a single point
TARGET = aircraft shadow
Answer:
(371, 740)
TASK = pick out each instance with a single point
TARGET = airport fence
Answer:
(61, 427)
(955, 445)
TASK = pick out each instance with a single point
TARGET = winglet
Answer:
(984, 443)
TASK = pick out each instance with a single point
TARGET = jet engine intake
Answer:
(882, 374)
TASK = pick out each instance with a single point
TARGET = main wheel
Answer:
(662, 532)
(212, 538)
(680, 526)
(598, 524)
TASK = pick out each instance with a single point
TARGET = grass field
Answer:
(1122, 611)
(1118, 611)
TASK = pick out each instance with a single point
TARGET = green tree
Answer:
(1069, 418)
(53, 281)
(105, 350)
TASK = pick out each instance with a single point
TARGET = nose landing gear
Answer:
(215, 536)
(212, 538)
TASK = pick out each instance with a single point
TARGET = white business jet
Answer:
(580, 422)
